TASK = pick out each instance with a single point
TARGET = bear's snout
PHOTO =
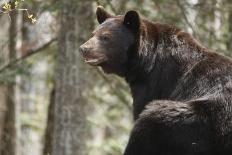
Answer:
(83, 49)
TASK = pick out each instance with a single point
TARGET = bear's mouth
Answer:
(94, 60)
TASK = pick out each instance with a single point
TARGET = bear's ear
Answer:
(132, 20)
(102, 14)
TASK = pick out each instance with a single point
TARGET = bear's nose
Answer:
(82, 49)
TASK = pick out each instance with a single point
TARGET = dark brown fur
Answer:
(181, 90)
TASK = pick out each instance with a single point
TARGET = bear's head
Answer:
(112, 42)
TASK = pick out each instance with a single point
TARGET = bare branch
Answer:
(111, 6)
(183, 11)
(30, 52)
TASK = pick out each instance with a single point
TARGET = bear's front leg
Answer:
(170, 128)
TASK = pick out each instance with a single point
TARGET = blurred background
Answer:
(51, 103)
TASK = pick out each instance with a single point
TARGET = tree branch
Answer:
(30, 52)
(183, 11)
(111, 6)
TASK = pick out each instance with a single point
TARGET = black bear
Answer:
(182, 91)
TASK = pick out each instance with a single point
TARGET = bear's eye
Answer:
(105, 37)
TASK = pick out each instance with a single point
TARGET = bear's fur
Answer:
(182, 91)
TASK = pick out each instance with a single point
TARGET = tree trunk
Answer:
(70, 107)
(50, 125)
(3, 89)
(229, 42)
(10, 133)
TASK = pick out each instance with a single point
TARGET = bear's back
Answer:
(210, 77)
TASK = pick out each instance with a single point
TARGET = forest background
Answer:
(51, 103)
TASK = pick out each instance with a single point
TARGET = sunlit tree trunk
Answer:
(28, 104)
(70, 107)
